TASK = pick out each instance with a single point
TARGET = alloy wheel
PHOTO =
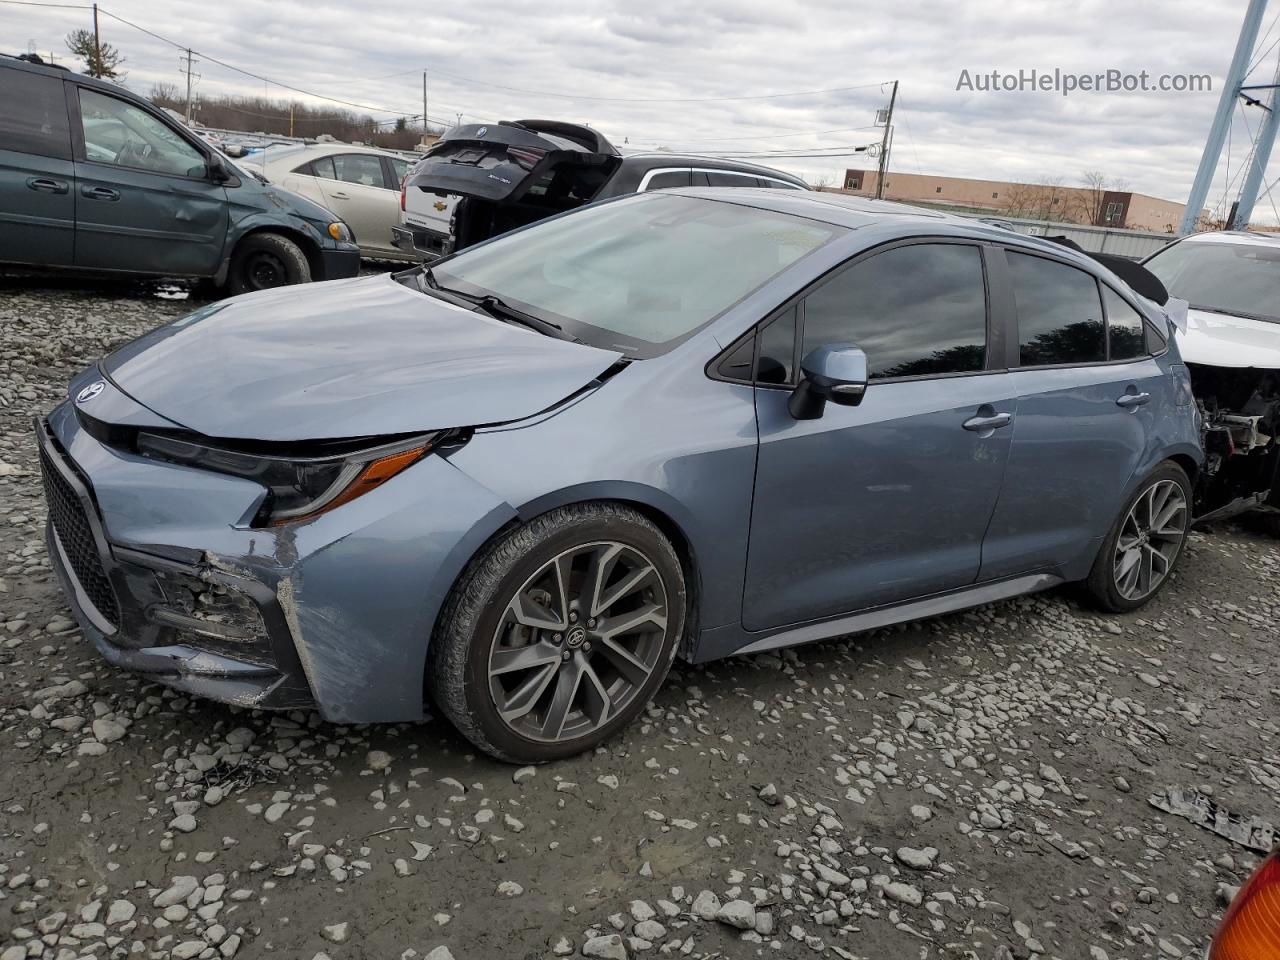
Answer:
(1150, 539)
(578, 641)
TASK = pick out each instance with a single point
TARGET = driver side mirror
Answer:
(836, 372)
(218, 171)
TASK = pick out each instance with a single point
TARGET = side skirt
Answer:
(901, 613)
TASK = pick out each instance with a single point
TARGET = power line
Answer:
(577, 96)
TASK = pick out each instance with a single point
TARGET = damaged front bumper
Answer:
(168, 579)
(191, 626)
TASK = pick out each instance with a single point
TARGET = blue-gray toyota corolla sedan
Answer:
(692, 422)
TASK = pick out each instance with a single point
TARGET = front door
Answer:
(356, 189)
(37, 206)
(888, 500)
(1087, 396)
(144, 201)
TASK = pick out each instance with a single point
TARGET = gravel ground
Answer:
(970, 787)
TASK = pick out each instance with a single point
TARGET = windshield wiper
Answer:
(497, 307)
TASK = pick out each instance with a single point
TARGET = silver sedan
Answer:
(360, 184)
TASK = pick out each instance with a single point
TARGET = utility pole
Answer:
(189, 61)
(97, 45)
(884, 142)
(1261, 155)
(291, 119)
(1222, 119)
(425, 128)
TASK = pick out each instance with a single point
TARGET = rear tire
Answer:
(263, 261)
(558, 633)
(1142, 548)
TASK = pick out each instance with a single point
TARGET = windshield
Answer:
(640, 274)
(1236, 278)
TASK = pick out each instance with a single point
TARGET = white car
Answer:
(359, 184)
(1231, 346)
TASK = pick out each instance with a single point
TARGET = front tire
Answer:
(263, 261)
(1139, 553)
(556, 636)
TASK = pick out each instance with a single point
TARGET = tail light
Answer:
(403, 181)
(1251, 928)
(526, 157)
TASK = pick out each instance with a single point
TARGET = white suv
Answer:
(1231, 345)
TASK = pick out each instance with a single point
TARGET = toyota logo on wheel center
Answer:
(575, 638)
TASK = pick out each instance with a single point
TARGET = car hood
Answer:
(1222, 340)
(347, 358)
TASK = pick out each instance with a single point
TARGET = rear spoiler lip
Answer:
(1141, 280)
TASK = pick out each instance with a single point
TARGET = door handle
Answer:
(993, 422)
(45, 185)
(99, 193)
(1131, 400)
(340, 196)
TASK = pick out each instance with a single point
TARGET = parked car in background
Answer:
(1231, 345)
(479, 181)
(360, 184)
(528, 476)
(95, 178)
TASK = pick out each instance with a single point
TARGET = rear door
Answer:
(37, 176)
(356, 188)
(144, 200)
(888, 500)
(1084, 419)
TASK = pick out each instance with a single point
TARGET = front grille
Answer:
(71, 524)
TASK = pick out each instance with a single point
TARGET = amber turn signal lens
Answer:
(1251, 928)
(374, 474)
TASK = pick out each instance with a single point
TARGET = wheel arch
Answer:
(652, 504)
(307, 243)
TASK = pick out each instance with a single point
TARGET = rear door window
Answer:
(362, 168)
(668, 178)
(34, 116)
(725, 178)
(1126, 339)
(1059, 312)
(918, 310)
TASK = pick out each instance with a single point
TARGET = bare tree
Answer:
(822, 182)
(99, 61)
(1095, 184)
(164, 94)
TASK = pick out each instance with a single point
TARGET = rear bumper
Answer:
(340, 263)
(421, 242)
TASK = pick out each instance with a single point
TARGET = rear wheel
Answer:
(558, 633)
(1139, 554)
(265, 260)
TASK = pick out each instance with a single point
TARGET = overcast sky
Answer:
(504, 59)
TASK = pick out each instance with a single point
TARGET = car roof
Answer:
(1234, 236)
(854, 212)
(62, 73)
(661, 159)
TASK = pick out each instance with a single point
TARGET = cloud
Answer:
(515, 54)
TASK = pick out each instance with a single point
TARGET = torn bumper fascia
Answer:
(348, 601)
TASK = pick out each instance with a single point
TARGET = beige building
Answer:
(1032, 201)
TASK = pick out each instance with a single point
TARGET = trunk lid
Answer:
(347, 358)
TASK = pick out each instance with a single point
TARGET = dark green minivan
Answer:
(95, 178)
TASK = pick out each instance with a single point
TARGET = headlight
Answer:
(341, 232)
(299, 487)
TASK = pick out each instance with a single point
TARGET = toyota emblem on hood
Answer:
(91, 391)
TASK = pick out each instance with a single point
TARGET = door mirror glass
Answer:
(836, 372)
